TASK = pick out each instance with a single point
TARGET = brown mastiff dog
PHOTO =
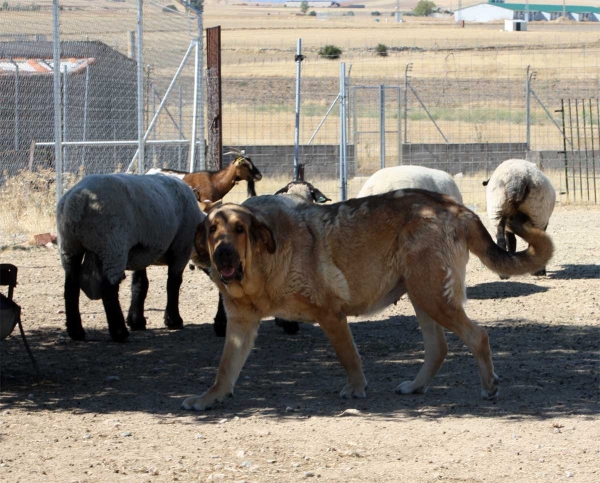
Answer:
(272, 257)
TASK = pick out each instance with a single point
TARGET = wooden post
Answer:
(214, 158)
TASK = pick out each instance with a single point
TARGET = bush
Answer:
(349, 14)
(376, 13)
(330, 52)
(424, 8)
(381, 50)
(312, 13)
(169, 8)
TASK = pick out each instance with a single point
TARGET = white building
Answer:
(497, 10)
(312, 3)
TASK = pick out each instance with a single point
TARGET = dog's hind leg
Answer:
(436, 350)
(451, 315)
(337, 330)
(239, 341)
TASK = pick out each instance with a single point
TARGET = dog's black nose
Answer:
(226, 256)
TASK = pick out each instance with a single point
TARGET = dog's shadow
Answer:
(545, 371)
(503, 289)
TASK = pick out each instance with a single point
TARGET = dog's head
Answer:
(229, 238)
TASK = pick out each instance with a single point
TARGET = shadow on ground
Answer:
(503, 289)
(545, 371)
(577, 272)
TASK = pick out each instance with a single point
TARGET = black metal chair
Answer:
(10, 311)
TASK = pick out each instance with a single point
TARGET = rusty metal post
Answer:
(214, 158)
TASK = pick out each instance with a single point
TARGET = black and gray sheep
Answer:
(111, 223)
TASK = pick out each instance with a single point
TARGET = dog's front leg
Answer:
(239, 340)
(337, 330)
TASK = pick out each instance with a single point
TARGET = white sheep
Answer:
(404, 177)
(518, 186)
(111, 223)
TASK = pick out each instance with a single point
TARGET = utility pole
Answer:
(398, 14)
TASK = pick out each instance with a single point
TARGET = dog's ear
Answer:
(262, 233)
(318, 196)
(200, 254)
(197, 194)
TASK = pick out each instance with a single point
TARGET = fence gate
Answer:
(581, 149)
(376, 127)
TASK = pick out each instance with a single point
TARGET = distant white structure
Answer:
(313, 3)
(497, 10)
(515, 25)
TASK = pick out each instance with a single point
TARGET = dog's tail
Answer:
(535, 257)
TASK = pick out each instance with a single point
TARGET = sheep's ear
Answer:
(197, 194)
(261, 232)
(285, 189)
(200, 254)
(318, 196)
(485, 183)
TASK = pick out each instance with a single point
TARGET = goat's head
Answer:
(304, 191)
(245, 170)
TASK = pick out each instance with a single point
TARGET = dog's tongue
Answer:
(228, 272)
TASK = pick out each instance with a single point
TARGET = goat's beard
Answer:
(251, 191)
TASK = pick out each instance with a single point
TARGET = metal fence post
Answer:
(140, 85)
(197, 74)
(343, 158)
(64, 120)
(382, 126)
(528, 109)
(298, 59)
(407, 69)
(16, 104)
(56, 95)
(85, 111)
(200, 80)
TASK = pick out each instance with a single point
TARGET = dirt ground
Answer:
(107, 412)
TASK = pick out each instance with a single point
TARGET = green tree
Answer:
(382, 50)
(330, 52)
(424, 8)
(197, 4)
(304, 7)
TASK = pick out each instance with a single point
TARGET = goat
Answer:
(214, 185)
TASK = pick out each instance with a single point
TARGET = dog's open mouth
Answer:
(229, 274)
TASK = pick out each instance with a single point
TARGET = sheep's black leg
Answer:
(511, 242)
(289, 327)
(501, 237)
(500, 233)
(172, 318)
(139, 290)
(72, 267)
(114, 314)
(220, 321)
(542, 272)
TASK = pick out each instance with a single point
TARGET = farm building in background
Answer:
(313, 3)
(497, 10)
(99, 98)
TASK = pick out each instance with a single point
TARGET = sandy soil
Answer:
(106, 412)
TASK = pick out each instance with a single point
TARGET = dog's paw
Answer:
(354, 390)
(492, 391)
(206, 401)
(409, 387)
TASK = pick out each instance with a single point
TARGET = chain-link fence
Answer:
(460, 106)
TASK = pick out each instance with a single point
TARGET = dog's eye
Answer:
(239, 229)
(212, 229)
